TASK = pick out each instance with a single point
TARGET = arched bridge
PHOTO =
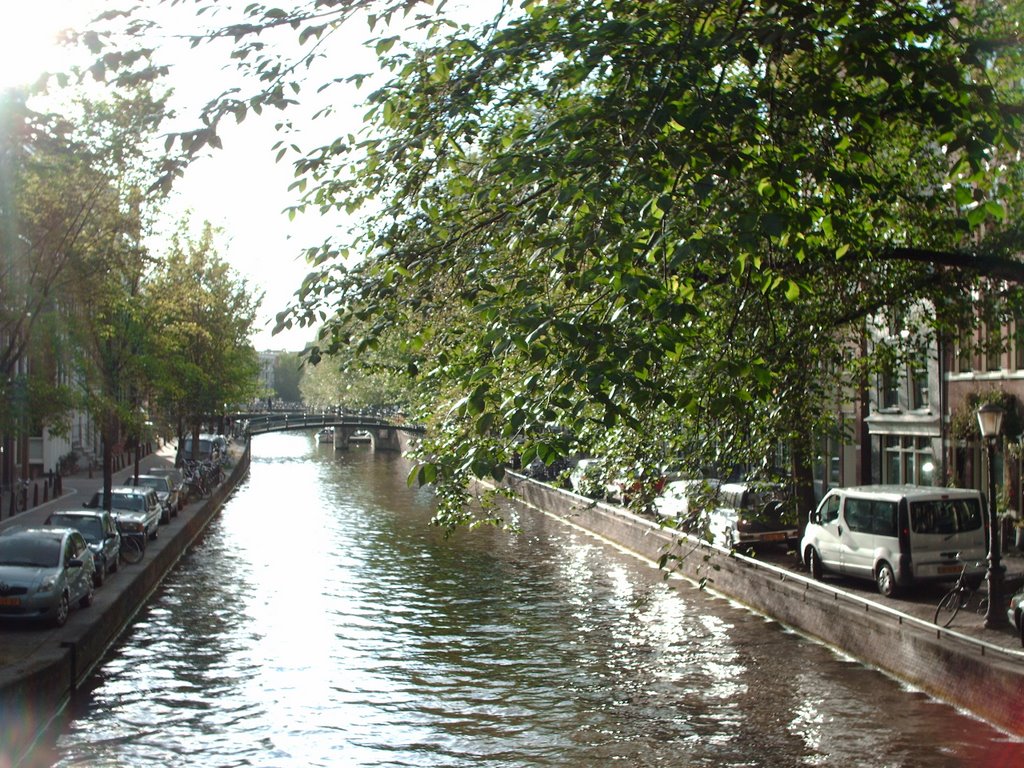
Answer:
(384, 434)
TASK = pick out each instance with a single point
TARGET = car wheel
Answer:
(814, 564)
(885, 580)
(60, 618)
(115, 563)
(99, 574)
(154, 533)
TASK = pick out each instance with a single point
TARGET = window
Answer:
(945, 516)
(964, 354)
(1018, 344)
(828, 462)
(871, 516)
(858, 515)
(919, 383)
(908, 460)
(889, 391)
(830, 510)
(993, 348)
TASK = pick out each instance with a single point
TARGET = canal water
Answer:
(321, 622)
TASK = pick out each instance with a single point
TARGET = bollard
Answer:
(58, 486)
(35, 494)
(46, 492)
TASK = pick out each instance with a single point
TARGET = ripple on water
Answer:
(321, 622)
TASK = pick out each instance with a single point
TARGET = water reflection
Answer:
(322, 622)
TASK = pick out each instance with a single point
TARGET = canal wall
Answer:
(984, 679)
(35, 688)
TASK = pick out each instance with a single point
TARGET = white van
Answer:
(896, 535)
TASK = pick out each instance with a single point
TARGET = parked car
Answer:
(99, 529)
(206, 450)
(751, 514)
(1015, 613)
(165, 492)
(682, 501)
(136, 510)
(897, 535)
(43, 573)
(177, 481)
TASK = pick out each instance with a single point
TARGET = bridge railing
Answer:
(278, 422)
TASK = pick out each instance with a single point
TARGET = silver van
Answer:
(896, 535)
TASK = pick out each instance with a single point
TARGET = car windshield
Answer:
(90, 527)
(157, 483)
(33, 552)
(127, 501)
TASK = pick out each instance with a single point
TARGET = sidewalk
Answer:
(79, 487)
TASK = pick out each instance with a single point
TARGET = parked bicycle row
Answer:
(47, 570)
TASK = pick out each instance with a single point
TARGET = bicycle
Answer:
(133, 547)
(963, 594)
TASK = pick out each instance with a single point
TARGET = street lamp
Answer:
(990, 421)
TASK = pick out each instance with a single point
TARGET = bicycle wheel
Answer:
(948, 607)
(132, 549)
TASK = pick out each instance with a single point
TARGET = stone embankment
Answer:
(979, 670)
(40, 667)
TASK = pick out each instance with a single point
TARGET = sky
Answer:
(240, 189)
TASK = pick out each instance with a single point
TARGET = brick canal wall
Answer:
(973, 675)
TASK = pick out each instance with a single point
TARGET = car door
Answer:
(856, 538)
(829, 530)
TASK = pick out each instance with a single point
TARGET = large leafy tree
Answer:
(57, 201)
(203, 362)
(661, 226)
(101, 303)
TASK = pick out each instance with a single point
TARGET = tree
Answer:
(287, 377)
(203, 362)
(101, 302)
(376, 378)
(660, 226)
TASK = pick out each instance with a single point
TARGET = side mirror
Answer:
(814, 517)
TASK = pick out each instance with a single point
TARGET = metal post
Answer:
(995, 614)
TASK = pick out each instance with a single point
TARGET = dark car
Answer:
(749, 514)
(177, 483)
(99, 529)
(165, 492)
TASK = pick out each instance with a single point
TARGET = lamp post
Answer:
(990, 420)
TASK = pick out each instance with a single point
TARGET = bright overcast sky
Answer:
(240, 189)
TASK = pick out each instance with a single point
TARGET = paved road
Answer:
(80, 486)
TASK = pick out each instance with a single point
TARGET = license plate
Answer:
(780, 536)
(10, 601)
(950, 568)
